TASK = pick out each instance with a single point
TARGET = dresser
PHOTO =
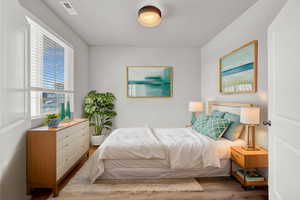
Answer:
(52, 153)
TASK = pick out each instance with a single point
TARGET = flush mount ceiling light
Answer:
(149, 16)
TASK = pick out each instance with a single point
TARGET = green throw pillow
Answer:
(235, 129)
(200, 122)
(215, 127)
(217, 114)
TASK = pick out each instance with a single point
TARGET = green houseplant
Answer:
(99, 109)
(52, 120)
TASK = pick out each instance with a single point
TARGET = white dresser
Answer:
(53, 153)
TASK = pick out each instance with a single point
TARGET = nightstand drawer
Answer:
(257, 161)
(238, 158)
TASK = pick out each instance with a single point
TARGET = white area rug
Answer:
(79, 188)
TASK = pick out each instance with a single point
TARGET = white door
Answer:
(284, 104)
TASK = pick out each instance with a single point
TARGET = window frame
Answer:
(70, 74)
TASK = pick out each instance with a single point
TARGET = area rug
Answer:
(79, 188)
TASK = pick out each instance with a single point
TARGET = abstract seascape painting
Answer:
(149, 81)
(238, 70)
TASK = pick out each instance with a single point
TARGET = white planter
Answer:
(97, 140)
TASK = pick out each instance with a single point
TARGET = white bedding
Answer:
(182, 148)
(131, 143)
(223, 148)
(187, 150)
(145, 164)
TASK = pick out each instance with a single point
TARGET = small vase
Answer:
(62, 111)
(68, 111)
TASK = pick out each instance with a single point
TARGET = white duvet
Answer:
(182, 147)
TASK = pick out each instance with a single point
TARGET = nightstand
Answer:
(248, 160)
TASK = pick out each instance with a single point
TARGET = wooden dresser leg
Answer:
(28, 189)
(55, 191)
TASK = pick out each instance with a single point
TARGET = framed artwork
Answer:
(149, 81)
(238, 70)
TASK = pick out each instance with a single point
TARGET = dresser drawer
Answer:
(71, 160)
(65, 133)
(72, 143)
(83, 125)
(59, 164)
(238, 158)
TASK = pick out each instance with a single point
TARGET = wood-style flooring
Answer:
(223, 188)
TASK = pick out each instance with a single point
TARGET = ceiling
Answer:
(187, 23)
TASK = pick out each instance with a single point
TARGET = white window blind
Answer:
(51, 74)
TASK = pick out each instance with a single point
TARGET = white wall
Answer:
(14, 104)
(14, 115)
(252, 25)
(107, 73)
(81, 62)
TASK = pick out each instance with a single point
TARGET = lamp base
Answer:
(250, 148)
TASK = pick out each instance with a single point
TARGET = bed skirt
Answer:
(159, 173)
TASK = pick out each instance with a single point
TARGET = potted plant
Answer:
(99, 109)
(52, 120)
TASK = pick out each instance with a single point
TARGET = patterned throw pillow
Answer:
(234, 131)
(200, 122)
(215, 127)
(217, 114)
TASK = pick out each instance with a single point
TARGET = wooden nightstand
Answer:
(248, 160)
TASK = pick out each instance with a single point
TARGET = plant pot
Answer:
(53, 123)
(97, 140)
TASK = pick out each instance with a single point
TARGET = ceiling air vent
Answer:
(68, 7)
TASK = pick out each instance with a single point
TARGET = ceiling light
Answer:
(149, 16)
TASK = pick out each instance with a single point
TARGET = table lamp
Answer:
(195, 107)
(250, 116)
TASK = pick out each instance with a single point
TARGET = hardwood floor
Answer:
(221, 188)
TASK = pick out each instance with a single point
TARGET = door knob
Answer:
(267, 123)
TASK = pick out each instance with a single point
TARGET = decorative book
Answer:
(250, 175)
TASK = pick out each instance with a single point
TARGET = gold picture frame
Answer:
(171, 71)
(241, 85)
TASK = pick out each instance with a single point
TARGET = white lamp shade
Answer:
(250, 115)
(196, 106)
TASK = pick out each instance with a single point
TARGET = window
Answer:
(51, 73)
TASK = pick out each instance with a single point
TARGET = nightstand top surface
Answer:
(242, 151)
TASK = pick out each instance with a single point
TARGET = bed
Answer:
(153, 153)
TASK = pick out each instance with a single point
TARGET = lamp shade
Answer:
(196, 106)
(250, 115)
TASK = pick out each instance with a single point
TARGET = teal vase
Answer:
(68, 110)
(62, 111)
